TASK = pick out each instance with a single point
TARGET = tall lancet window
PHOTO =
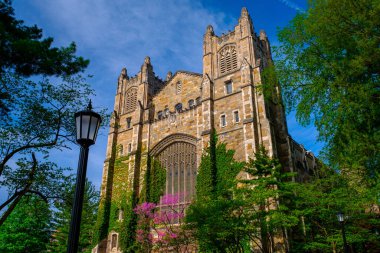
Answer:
(227, 59)
(177, 155)
(130, 100)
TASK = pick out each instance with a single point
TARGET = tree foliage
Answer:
(62, 217)
(28, 228)
(212, 217)
(317, 204)
(267, 195)
(23, 49)
(24, 52)
(36, 115)
(328, 65)
(35, 126)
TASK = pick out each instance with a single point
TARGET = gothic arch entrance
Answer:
(177, 154)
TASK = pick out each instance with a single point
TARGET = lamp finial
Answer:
(89, 107)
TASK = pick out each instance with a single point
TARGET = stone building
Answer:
(171, 119)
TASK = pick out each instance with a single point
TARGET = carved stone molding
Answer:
(179, 137)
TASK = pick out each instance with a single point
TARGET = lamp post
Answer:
(87, 125)
(340, 217)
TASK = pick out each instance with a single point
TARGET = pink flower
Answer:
(145, 208)
(170, 199)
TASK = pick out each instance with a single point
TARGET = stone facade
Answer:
(152, 116)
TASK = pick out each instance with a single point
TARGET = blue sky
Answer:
(119, 33)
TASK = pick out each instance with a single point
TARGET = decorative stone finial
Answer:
(263, 35)
(244, 12)
(210, 30)
(169, 75)
(147, 60)
(123, 72)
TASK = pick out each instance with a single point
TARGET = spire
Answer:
(147, 60)
(263, 35)
(245, 23)
(244, 12)
(123, 73)
(210, 30)
(169, 75)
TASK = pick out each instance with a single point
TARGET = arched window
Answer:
(121, 151)
(179, 161)
(191, 103)
(178, 107)
(178, 87)
(227, 59)
(130, 100)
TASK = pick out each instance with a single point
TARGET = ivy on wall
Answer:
(125, 198)
(154, 182)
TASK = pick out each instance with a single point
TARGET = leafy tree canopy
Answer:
(62, 217)
(23, 49)
(328, 65)
(28, 228)
(36, 125)
(318, 202)
(36, 115)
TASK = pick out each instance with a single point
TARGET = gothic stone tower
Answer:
(171, 120)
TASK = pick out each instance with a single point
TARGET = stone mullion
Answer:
(171, 166)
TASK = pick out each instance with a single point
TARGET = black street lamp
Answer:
(87, 126)
(340, 217)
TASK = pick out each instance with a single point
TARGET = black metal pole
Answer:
(344, 239)
(76, 213)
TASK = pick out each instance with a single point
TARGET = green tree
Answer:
(36, 125)
(23, 50)
(267, 197)
(213, 217)
(328, 64)
(62, 217)
(28, 228)
(36, 116)
(318, 202)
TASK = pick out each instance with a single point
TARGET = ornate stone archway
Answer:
(177, 154)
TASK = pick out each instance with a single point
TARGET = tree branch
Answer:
(21, 193)
(31, 146)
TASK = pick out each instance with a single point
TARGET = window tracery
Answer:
(227, 59)
(130, 100)
(177, 154)
(179, 160)
(179, 87)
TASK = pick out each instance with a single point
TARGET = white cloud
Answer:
(118, 33)
(123, 32)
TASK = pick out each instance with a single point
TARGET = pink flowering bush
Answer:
(161, 226)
